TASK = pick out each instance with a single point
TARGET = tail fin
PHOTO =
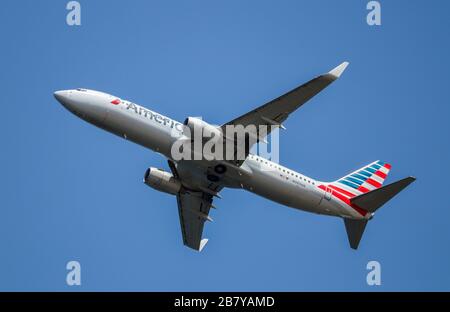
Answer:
(364, 180)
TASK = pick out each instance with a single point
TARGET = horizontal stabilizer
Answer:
(355, 230)
(373, 200)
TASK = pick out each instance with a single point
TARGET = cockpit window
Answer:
(81, 89)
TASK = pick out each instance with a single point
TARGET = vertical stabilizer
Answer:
(363, 180)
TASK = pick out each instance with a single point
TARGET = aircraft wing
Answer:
(273, 113)
(194, 203)
(193, 210)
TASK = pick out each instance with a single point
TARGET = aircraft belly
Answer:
(270, 185)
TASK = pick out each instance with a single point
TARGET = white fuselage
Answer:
(158, 133)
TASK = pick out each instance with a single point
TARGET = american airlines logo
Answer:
(141, 111)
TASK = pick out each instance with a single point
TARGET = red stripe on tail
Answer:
(363, 189)
(381, 174)
(342, 191)
(373, 182)
(361, 211)
(335, 193)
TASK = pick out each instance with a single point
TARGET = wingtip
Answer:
(338, 70)
(202, 244)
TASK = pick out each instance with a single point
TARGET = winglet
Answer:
(337, 71)
(202, 244)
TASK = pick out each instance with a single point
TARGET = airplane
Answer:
(195, 183)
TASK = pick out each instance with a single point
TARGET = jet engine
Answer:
(198, 124)
(162, 181)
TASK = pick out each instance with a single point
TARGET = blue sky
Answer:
(70, 191)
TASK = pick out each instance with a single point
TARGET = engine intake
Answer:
(162, 181)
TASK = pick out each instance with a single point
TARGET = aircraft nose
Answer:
(61, 96)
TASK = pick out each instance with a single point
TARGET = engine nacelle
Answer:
(196, 124)
(162, 181)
